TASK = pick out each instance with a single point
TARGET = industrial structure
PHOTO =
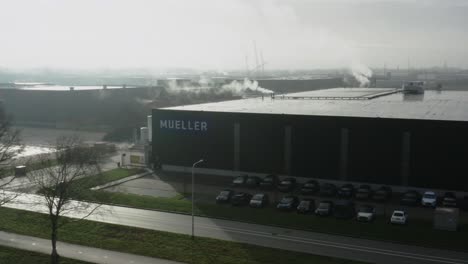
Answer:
(371, 135)
(73, 106)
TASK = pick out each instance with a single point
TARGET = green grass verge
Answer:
(17, 256)
(107, 176)
(418, 232)
(155, 243)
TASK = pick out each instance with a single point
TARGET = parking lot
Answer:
(207, 188)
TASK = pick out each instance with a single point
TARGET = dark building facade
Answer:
(97, 107)
(420, 153)
(406, 152)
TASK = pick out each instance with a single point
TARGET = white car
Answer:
(366, 213)
(429, 198)
(399, 217)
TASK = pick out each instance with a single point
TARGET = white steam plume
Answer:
(361, 73)
(206, 85)
(241, 88)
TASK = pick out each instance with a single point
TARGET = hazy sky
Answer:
(218, 34)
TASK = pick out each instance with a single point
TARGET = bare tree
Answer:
(59, 183)
(9, 147)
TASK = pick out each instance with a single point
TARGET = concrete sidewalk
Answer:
(72, 251)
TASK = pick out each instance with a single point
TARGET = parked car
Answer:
(364, 192)
(259, 200)
(328, 189)
(344, 209)
(288, 203)
(252, 181)
(325, 208)
(287, 184)
(239, 181)
(224, 196)
(449, 200)
(346, 191)
(269, 182)
(399, 217)
(306, 206)
(410, 198)
(382, 194)
(366, 213)
(429, 198)
(241, 198)
(310, 187)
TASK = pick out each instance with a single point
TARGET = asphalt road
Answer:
(294, 240)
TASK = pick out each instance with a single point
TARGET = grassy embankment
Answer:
(154, 243)
(18, 256)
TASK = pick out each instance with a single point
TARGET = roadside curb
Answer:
(126, 179)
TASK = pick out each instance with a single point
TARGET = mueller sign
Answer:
(183, 125)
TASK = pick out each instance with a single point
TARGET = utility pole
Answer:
(408, 65)
(256, 58)
(247, 71)
(263, 63)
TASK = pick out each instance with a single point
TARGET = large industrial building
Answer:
(72, 106)
(379, 136)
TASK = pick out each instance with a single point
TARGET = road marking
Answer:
(342, 245)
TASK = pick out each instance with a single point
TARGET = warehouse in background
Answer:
(380, 136)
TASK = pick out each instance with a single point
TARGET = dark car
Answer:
(364, 192)
(239, 181)
(224, 196)
(410, 198)
(310, 187)
(259, 200)
(449, 200)
(325, 208)
(328, 189)
(344, 209)
(241, 198)
(382, 194)
(269, 182)
(287, 184)
(252, 181)
(346, 191)
(464, 203)
(306, 206)
(287, 203)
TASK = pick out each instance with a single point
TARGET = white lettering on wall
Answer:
(184, 125)
(204, 126)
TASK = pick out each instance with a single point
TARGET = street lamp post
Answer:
(193, 197)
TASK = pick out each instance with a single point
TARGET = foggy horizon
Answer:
(215, 35)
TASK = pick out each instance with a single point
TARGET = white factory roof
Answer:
(355, 102)
(67, 88)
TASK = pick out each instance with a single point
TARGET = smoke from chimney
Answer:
(361, 73)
